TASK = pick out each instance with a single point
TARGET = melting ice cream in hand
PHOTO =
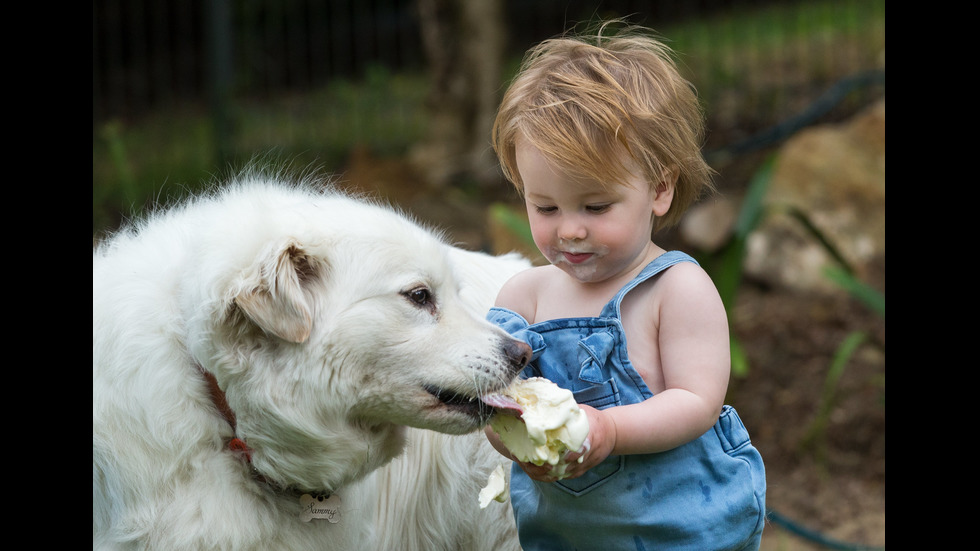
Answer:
(539, 422)
(549, 422)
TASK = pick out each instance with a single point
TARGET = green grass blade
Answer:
(863, 292)
(753, 206)
(512, 222)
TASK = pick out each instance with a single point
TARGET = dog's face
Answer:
(420, 356)
(353, 329)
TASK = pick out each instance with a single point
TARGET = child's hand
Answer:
(598, 445)
(542, 473)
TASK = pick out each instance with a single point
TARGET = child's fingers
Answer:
(573, 456)
(537, 472)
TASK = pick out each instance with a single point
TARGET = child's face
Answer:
(589, 232)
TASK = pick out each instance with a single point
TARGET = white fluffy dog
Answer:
(276, 367)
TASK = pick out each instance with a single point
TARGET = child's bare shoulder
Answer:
(687, 276)
(520, 292)
(687, 287)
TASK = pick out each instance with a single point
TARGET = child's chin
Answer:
(584, 272)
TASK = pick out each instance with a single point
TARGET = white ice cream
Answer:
(496, 488)
(550, 425)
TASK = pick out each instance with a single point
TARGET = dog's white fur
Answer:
(324, 319)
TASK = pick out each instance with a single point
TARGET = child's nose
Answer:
(571, 227)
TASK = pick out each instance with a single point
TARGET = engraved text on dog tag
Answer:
(320, 507)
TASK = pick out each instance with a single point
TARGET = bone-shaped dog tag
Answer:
(320, 507)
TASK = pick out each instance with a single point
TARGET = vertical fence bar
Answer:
(220, 75)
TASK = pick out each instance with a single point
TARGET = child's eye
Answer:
(546, 210)
(597, 209)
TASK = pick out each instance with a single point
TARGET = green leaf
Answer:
(863, 292)
(740, 362)
(512, 222)
(753, 204)
(831, 249)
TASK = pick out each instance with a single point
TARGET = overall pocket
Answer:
(730, 430)
(594, 477)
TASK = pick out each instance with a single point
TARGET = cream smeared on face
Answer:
(577, 259)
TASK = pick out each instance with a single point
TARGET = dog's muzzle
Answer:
(518, 354)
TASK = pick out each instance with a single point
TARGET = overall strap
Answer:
(657, 265)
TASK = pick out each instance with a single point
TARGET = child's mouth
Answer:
(576, 258)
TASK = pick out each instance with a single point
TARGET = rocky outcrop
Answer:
(835, 176)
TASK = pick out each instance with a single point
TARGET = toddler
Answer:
(601, 136)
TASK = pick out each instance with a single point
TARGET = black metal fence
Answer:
(151, 54)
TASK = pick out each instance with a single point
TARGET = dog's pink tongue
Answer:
(504, 404)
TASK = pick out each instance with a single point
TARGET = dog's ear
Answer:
(277, 303)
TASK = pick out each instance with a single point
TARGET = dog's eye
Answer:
(420, 296)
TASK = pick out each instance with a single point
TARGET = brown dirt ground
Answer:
(836, 489)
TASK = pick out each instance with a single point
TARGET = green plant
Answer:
(815, 437)
(514, 224)
(864, 293)
(727, 267)
(727, 272)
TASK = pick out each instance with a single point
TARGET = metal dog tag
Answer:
(320, 507)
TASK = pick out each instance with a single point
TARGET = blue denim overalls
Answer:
(708, 494)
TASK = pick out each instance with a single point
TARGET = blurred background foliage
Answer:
(186, 91)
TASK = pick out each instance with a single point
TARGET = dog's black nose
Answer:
(518, 354)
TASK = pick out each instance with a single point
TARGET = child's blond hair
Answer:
(584, 101)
